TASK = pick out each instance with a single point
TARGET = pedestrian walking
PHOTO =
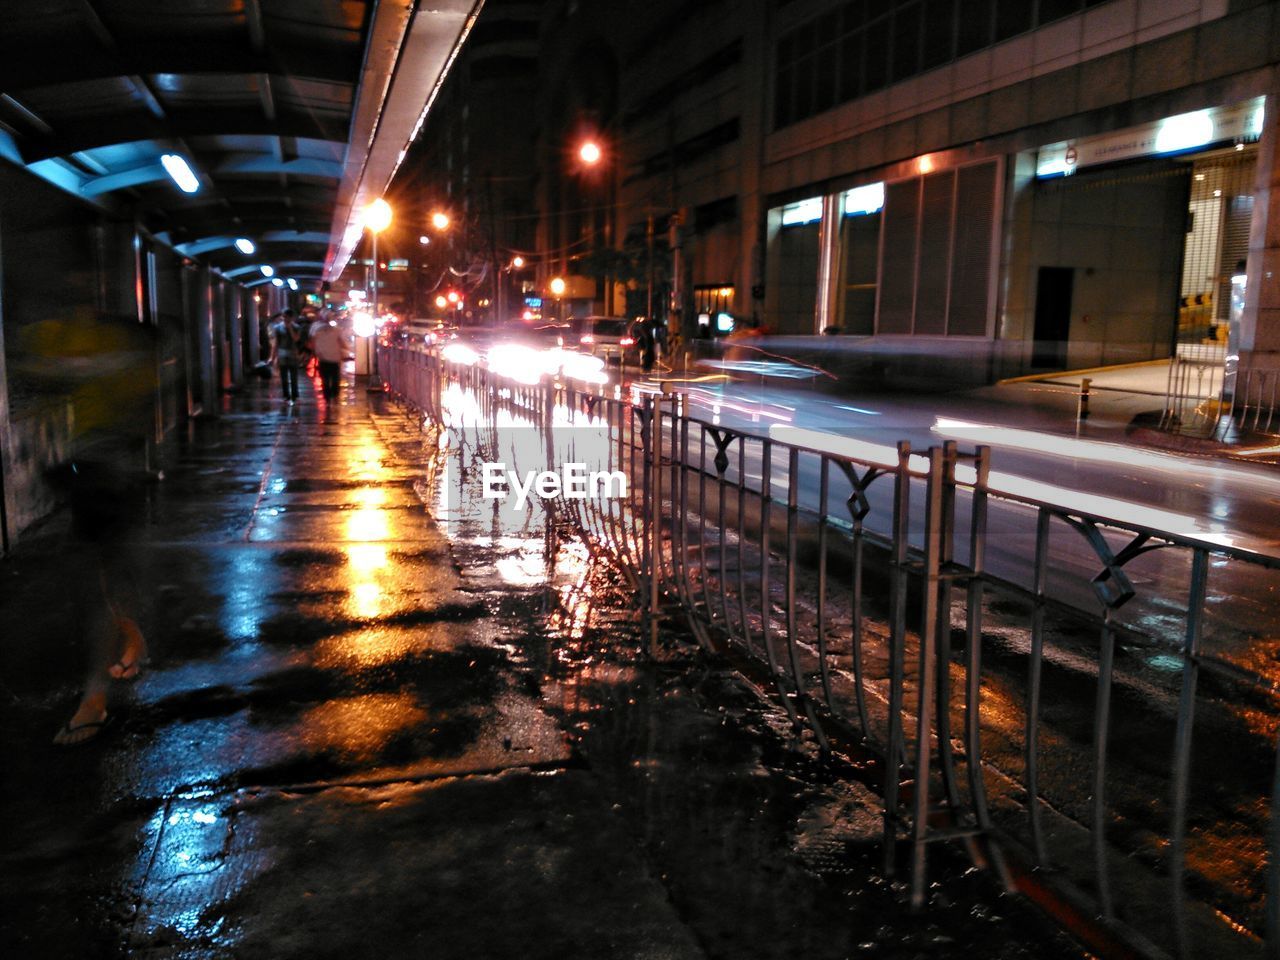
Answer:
(329, 346)
(645, 341)
(105, 481)
(287, 342)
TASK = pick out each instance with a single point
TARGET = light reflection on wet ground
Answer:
(764, 849)
(343, 747)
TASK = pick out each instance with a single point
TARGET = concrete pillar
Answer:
(236, 315)
(757, 41)
(1258, 339)
(205, 331)
(825, 312)
(772, 266)
(8, 508)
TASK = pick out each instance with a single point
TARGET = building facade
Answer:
(1017, 186)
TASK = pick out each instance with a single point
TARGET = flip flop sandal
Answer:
(93, 728)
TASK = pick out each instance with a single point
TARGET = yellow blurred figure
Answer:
(107, 370)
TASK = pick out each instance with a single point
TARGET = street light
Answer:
(517, 262)
(440, 220)
(557, 291)
(593, 172)
(377, 217)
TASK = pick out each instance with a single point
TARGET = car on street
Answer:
(607, 337)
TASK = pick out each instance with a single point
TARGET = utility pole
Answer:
(497, 313)
(648, 239)
(677, 318)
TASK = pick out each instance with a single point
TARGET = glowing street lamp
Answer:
(557, 287)
(377, 217)
(362, 324)
(517, 262)
(590, 153)
(440, 220)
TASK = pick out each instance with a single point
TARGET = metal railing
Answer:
(1204, 399)
(1022, 712)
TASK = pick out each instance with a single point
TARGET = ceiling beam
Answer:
(27, 115)
(277, 237)
(94, 22)
(123, 180)
(257, 30)
(253, 223)
(101, 131)
(262, 163)
(149, 98)
(51, 65)
(281, 266)
(266, 96)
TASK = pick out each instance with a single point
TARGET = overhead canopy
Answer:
(291, 114)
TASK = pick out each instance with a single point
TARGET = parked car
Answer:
(608, 337)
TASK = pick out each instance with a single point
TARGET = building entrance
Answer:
(1053, 316)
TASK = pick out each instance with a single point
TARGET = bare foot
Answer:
(133, 651)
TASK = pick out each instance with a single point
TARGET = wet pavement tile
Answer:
(365, 733)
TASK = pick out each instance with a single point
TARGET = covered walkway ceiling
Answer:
(292, 114)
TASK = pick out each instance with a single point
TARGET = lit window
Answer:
(806, 211)
(863, 200)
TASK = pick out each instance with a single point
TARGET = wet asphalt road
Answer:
(365, 734)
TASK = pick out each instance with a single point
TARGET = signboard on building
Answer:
(1241, 122)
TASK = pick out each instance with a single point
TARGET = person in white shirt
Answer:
(328, 346)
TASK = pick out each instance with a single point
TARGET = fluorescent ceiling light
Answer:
(245, 246)
(177, 168)
(267, 270)
(277, 282)
(293, 284)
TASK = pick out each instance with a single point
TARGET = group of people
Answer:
(295, 340)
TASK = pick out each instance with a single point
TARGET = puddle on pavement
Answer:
(764, 849)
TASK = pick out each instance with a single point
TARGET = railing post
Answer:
(895, 748)
(1182, 745)
(654, 512)
(927, 673)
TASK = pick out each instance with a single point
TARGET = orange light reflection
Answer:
(359, 725)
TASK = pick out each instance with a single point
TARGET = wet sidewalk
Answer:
(363, 734)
